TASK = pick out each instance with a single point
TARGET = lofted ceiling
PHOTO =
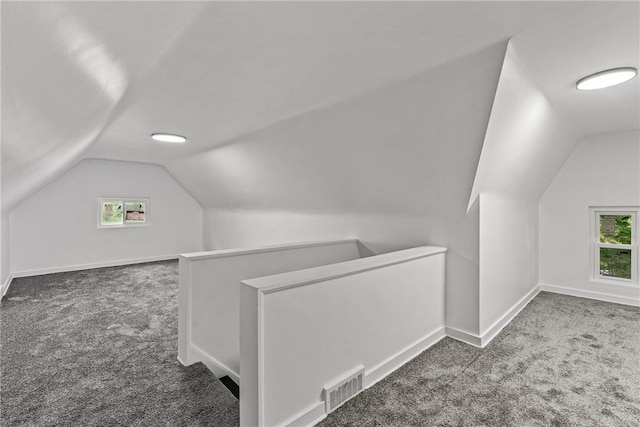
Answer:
(592, 37)
(95, 79)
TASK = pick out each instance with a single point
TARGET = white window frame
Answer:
(124, 200)
(595, 213)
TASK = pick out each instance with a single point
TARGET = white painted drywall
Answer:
(603, 170)
(5, 254)
(314, 326)
(526, 143)
(378, 233)
(393, 168)
(527, 140)
(91, 64)
(56, 228)
(508, 255)
(209, 295)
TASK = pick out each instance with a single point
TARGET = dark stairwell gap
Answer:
(233, 387)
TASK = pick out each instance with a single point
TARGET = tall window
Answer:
(122, 212)
(615, 244)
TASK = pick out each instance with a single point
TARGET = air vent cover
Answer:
(344, 389)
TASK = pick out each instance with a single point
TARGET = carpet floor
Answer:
(98, 348)
(563, 361)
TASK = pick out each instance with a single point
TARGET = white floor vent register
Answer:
(344, 389)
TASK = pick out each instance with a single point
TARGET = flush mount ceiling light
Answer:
(606, 78)
(168, 137)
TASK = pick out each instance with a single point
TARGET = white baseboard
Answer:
(90, 266)
(483, 339)
(589, 294)
(506, 318)
(316, 412)
(308, 417)
(463, 336)
(5, 286)
(219, 369)
(383, 369)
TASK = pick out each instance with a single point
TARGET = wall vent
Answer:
(344, 389)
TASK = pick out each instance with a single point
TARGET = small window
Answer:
(122, 212)
(615, 244)
(111, 212)
(135, 212)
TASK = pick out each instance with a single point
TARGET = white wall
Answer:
(4, 255)
(393, 168)
(377, 232)
(527, 140)
(303, 330)
(603, 170)
(56, 228)
(508, 258)
(208, 326)
(525, 145)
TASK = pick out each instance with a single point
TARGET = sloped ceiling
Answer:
(410, 148)
(561, 49)
(538, 116)
(66, 69)
(95, 79)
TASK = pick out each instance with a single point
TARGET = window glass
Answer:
(615, 244)
(615, 262)
(134, 211)
(615, 229)
(123, 212)
(111, 213)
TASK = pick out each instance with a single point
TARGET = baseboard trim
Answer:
(90, 266)
(316, 412)
(219, 369)
(308, 417)
(507, 317)
(403, 356)
(463, 336)
(599, 296)
(5, 285)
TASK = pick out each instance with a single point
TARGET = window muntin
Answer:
(615, 255)
(122, 212)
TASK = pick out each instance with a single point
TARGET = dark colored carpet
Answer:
(98, 348)
(563, 361)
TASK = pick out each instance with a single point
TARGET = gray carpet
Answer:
(563, 361)
(98, 348)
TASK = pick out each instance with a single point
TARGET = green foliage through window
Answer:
(111, 213)
(615, 262)
(615, 229)
(122, 212)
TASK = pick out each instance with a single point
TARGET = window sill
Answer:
(102, 227)
(625, 283)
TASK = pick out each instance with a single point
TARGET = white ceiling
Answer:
(95, 79)
(592, 37)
